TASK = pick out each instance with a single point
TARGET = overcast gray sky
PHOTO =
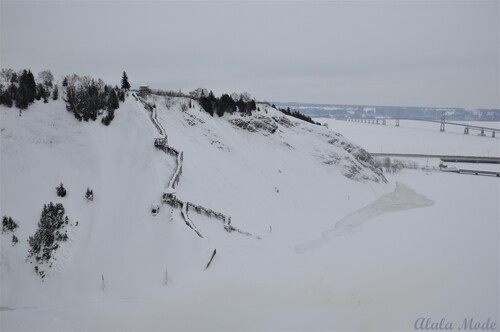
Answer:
(424, 53)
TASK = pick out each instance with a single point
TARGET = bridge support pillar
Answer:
(397, 122)
(466, 130)
(441, 127)
(493, 134)
(482, 132)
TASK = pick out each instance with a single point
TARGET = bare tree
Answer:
(6, 74)
(46, 78)
(387, 164)
(197, 93)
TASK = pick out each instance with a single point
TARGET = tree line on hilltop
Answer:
(21, 89)
(296, 114)
(227, 104)
(85, 97)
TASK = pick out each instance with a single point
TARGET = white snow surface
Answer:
(437, 256)
(420, 137)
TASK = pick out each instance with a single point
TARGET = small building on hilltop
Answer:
(144, 90)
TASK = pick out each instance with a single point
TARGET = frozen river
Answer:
(419, 137)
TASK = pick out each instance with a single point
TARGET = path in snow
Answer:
(402, 198)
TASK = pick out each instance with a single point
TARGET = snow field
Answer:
(418, 137)
(435, 260)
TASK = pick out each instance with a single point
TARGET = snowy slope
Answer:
(259, 178)
(288, 187)
(116, 237)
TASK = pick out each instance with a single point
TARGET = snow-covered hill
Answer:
(282, 180)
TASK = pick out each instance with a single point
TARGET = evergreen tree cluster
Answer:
(86, 98)
(226, 104)
(49, 233)
(8, 224)
(42, 93)
(297, 114)
(22, 90)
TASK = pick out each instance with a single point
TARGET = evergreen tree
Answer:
(211, 96)
(125, 83)
(241, 105)
(111, 105)
(71, 100)
(219, 110)
(61, 191)
(8, 224)
(14, 78)
(55, 93)
(89, 194)
(206, 104)
(22, 93)
(27, 90)
(31, 86)
(113, 102)
(93, 103)
(65, 82)
(225, 104)
(7, 96)
(40, 91)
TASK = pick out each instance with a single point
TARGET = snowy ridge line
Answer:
(168, 195)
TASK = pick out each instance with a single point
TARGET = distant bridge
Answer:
(467, 128)
(443, 157)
